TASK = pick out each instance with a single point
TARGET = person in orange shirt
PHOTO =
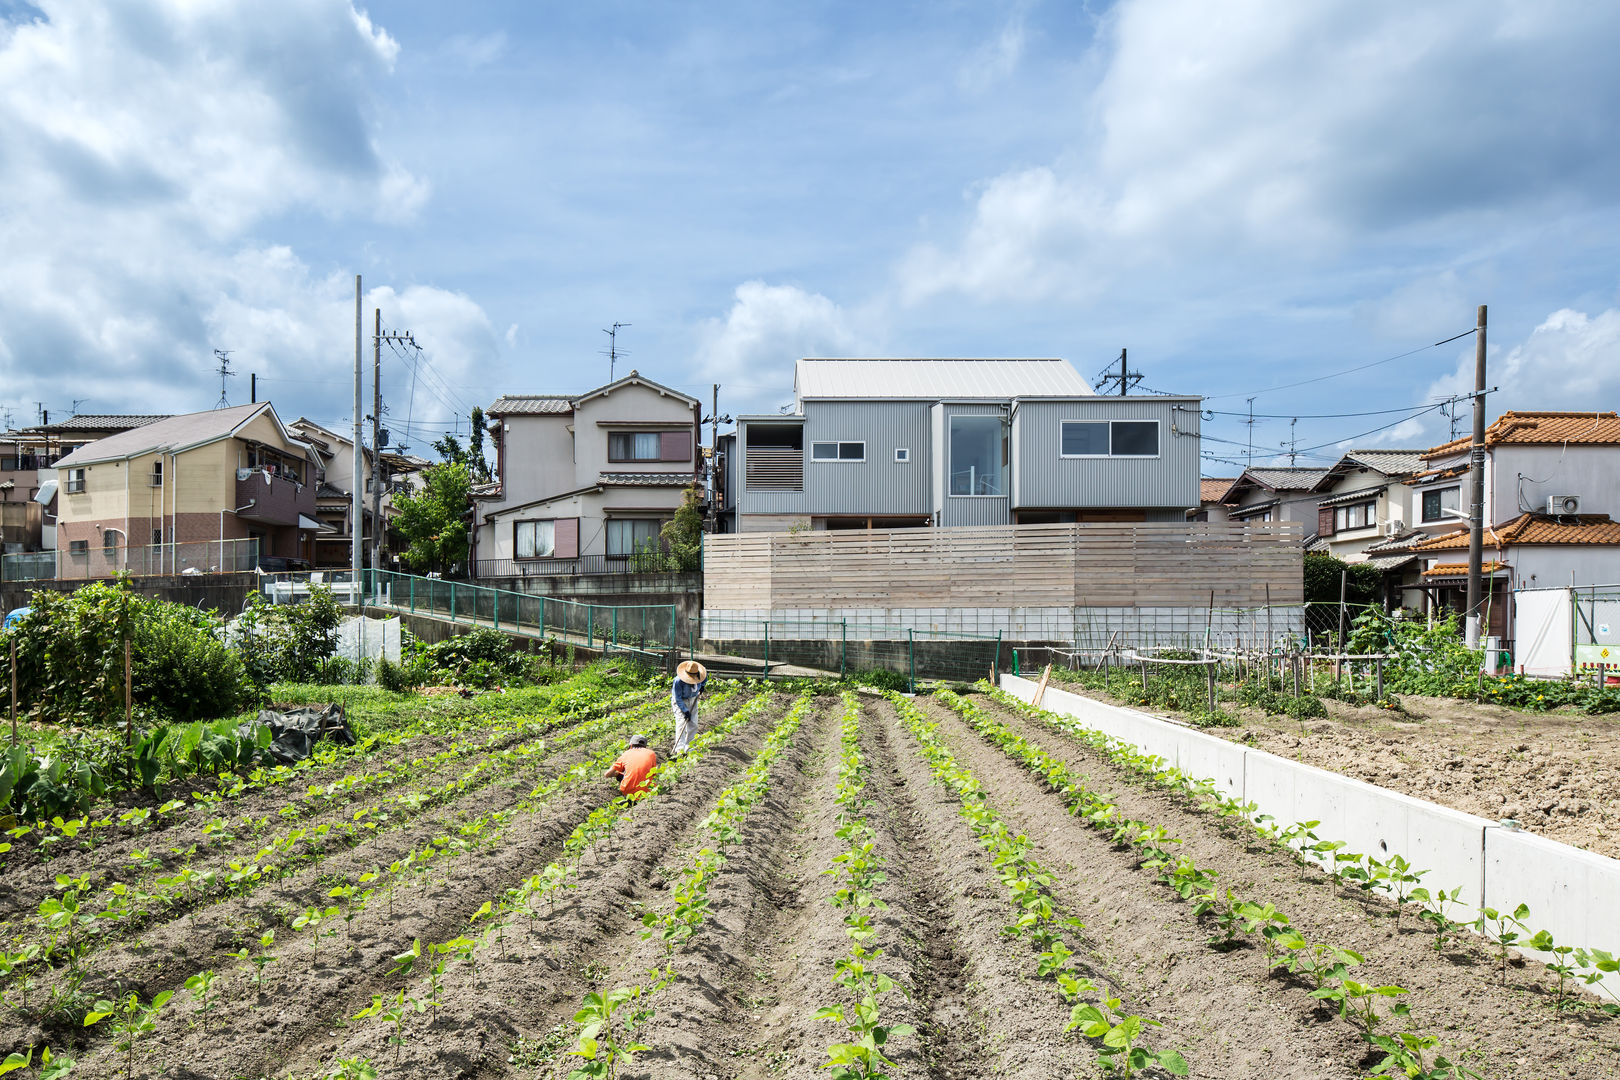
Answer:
(634, 766)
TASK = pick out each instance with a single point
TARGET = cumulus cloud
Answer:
(1265, 127)
(1566, 363)
(142, 145)
(751, 350)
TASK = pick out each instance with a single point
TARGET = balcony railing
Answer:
(157, 560)
(276, 500)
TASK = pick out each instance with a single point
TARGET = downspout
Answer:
(129, 466)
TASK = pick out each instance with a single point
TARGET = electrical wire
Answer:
(1346, 371)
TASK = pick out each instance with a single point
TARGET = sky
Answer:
(1253, 197)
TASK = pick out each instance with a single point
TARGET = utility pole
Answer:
(613, 346)
(356, 497)
(1125, 378)
(1476, 477)
(378, 436)
(1293, 440)
(1124, 372)
(253, 387)
(715, 420)
(1248, 455)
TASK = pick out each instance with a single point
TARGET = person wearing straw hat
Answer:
(690, 678)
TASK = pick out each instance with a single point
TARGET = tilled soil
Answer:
(747, 986)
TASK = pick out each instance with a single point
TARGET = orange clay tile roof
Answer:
(1214, 489)
(1460, 569)
(1535, 529)
(1435, 475)
(1543, 428)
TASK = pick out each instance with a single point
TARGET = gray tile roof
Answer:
(1358, 495)
(1389, 462)
(1285, 479)
(932, 379)
(111, 422)
(172, 432)
(653, 479)
(530, 405)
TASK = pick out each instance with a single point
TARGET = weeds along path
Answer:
(217, 825)
(1509, 1030)
(1506, 1032)
(506, 973)
(1224, 1020)
(289, 851)
(430, 869)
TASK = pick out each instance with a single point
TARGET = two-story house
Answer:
(136, 499)
(1362, 501)
(28, 464)
(584, 480)
(1275, 493)
(334, 493)
(901, 443)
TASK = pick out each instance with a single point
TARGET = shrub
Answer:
(881, 678)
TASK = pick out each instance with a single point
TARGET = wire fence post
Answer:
(452, 601)
(129, 713)
(1016, 671)
(911, 659)
(998, 651)
(843, 649)
(13, 693)
(495, 607)
(615, 627)
(767, 646)
(590, 625)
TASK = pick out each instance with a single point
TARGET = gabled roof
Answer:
(1534, 529)
(173, 434)
(1388, 462)
(1342, 498)
(1542, 429)
(635, 378)
(530, 405)
(1212, 489)
(108, 422)
(1280, 479)
(932, 380)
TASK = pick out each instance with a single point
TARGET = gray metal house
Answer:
(896, 443)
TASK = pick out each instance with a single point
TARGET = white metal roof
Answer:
(933, 380)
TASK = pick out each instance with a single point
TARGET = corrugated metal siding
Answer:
(879, 485)
(1047, 479)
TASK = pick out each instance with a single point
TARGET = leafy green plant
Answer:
(1505, 928)
(1120, 1032)
(1407, 1055)
(130, 1022)
(200, 985)
(1357, 1003)
(395, 1011)
(51, 1066)
(606, 1041)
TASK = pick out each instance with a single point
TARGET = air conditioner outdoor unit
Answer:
(1394, 527)
(1564, 504)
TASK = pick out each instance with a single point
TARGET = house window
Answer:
(156, 479)
(626, 536)
(635, 446)
(1358, 516)
(978, 456)
(1110, 438)
(535, 539)
(75, 481)
(157, 537)
(110, 539)
(837, 451)
(902, 453)
(1264, 515)
(78, 548)
(1435, 503)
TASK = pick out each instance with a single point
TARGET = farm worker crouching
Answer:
(690, 678)
(634, 766)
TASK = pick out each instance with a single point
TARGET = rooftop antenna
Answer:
(613, 347)
(1293, 441)
(1248, 456)
(224, 371)
(76, 403)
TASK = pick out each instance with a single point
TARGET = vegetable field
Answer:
(831, 883)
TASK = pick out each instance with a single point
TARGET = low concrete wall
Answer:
(1572, 893)
(225, 593)
(684, 590)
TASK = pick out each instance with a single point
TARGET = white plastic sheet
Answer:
(359, 637)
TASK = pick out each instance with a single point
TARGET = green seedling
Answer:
(1560, 965)
(1595, 965)
(1407, 1055)
(394, 1011)
(311, 919)
(1505, 928)
(1358, 1003)
(200, 984)
(1120, 1033)
(605, 1041)
(1266, 919)
(130, 1021)
(51, 1066)
(351, 1069)
(1436, 908)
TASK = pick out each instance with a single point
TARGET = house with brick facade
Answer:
(156, 498)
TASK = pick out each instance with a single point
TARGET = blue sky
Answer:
(1246, 195)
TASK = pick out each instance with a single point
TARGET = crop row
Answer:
(1394, 877)
(1119, 1036)
(497, 915)
(1323, 965)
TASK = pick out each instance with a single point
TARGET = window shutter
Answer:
(1324, 521)
(677, 446)
(567, 538)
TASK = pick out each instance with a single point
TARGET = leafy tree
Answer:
(1322, 573)
(472, 455)
(683, 536)
(432, 522)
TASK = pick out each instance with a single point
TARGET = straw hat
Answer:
(691, 671)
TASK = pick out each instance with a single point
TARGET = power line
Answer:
(1346, 371)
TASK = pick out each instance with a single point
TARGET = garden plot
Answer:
(942, 887)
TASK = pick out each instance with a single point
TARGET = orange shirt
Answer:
(635, 763)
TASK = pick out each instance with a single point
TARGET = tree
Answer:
(683, 536)
(472, 455)
(432, 523)
(1322, 573)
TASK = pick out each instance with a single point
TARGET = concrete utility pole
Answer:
(1124, 373)
(377, 438)
(1476, 480)
(356, 503)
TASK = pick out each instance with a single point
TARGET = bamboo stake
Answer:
(13, 693)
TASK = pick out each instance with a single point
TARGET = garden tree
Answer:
(683, 536)
(432, 522)
(1322, 573)
(471, 455)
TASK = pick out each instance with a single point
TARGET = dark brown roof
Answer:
(108, 422)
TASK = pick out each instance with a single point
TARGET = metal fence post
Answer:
(673, 640)
(495, 606)
(542, 616)
(998, 650)
(615, 627)
(911, 659)
(843, 647)
(452, 601)
(590, 625)
(413, 593)
(767, 646)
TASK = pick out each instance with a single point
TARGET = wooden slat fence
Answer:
(1170, 564)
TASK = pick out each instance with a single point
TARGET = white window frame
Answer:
(950, 458)
(902, 455)
(75, 482)
(1158, 424)
(607, 534)
(838, 447)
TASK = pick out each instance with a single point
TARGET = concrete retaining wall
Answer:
(1573, 894)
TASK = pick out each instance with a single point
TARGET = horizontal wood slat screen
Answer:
(1105, 564)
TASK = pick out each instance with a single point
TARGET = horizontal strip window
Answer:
(1110, 438)
(838, 451)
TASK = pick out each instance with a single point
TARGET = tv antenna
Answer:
(76, 403)
(224, 372)
(1292, 443)
(613, 352)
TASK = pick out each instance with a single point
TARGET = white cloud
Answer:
(1566, 363)
(1285, 131)
(752, 349)
(143, 143)
(995, 60)
(476, 51)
